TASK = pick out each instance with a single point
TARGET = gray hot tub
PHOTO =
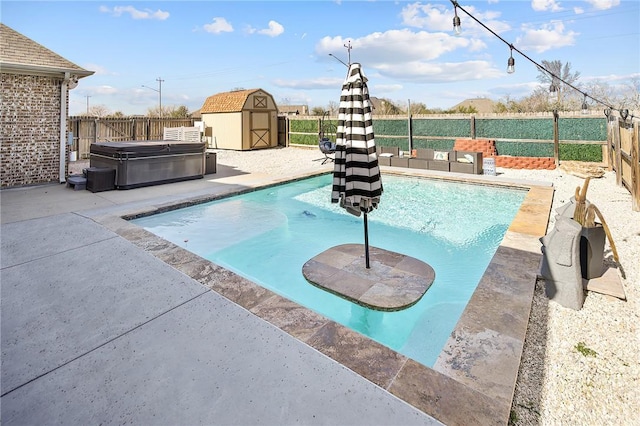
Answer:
(143, 163)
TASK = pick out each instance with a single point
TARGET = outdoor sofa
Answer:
(425, 158)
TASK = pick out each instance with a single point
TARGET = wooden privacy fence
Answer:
(574, 137)
(88, 130)
(623, 139)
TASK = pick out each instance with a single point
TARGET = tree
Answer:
(463, 110)
(333, 107)
(180, 112)
(602, 91)
(317, 111)
(556, 76)
(507, 104)
(417, 108)
(388, 107)
(537, 101)
(631, 96)
(98, 111)
(171, 111)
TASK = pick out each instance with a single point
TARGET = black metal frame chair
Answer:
(326, 147)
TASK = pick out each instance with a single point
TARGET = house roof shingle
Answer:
(19, 52)
(227, 101)
(482, 105)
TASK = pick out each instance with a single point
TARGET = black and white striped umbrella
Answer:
(356, 176)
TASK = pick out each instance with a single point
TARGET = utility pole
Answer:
(87, 96)
(159, 90)
(160, 80)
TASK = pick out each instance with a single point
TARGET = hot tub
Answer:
(143, 163)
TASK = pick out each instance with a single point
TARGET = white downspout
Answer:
(63, 127)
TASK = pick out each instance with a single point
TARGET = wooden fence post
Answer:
(635, 168)
(473, 127)
(618, 155)
(556, 141)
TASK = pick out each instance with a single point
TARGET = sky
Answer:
(189, 50)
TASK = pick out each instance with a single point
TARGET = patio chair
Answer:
(326, 147)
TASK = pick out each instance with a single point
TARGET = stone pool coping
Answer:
(473, 379)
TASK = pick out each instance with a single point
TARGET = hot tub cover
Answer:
(146, 148)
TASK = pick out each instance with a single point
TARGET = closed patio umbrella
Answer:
(356, 177)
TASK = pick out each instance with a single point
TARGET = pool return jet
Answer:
(357, 186)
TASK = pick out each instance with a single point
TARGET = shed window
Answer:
(259, 101)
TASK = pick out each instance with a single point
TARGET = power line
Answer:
(456, 24)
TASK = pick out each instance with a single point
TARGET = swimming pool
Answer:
(267, 236)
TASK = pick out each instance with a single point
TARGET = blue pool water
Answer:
(267, 236)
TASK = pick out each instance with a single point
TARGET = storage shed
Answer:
(241, 120)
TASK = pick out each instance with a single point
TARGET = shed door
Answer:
(260, 131)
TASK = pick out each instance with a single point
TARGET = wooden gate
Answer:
(283, 131)
(623, 140)
(88, 130)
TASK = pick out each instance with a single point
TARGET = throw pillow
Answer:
(441, 155)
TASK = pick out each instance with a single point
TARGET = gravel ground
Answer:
(558, 384)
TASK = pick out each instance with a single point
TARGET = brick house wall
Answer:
(29, 130)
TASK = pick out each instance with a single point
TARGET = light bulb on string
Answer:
(511, 63)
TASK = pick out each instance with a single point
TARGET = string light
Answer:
(511, 63)
(624, 113)
(585, 107)
(456, 19)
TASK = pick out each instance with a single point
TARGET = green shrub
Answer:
(582, 152)
(453, 128)
(391, 127)
(304, 126)
(303, 139)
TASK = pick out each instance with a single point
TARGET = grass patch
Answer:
(584, 350)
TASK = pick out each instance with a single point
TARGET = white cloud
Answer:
(476, 45)
(274, 30)
(603, 4)
(578, 10)
(405, 55)
(104, 90)
(219, 25)
(439, 18)
(395, 45)
(136, 13)
(432, 17)
(428, 72)
(544, 5)
(549, 36)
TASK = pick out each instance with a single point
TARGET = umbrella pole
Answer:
(366, 241)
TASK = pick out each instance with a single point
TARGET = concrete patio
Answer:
(98, 331)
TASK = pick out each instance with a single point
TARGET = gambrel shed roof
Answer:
(20, 53)
(233, 101)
